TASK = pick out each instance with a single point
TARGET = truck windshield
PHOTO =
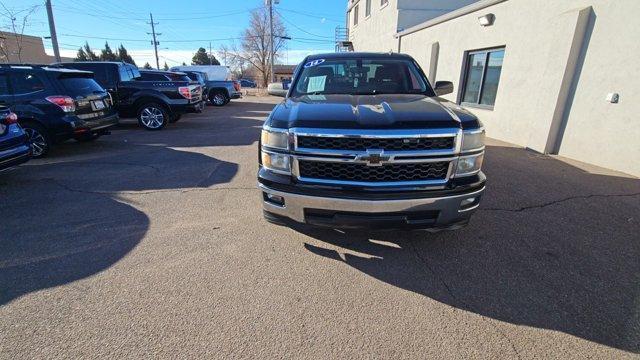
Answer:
(360, 77)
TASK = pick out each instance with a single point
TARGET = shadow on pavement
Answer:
(63, 219)
(552, 247)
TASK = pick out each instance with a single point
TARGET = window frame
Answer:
(384, 3)
(464, 78)
(356, 14)
(367, 9)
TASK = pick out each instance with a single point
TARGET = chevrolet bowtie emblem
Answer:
(374, 157)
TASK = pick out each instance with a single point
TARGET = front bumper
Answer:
(444, 212)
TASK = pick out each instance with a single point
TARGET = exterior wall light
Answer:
(487, 20)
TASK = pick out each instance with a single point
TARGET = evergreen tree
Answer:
(124, 56)
(91, 56)
(147, 66)
(166, 67)
(202, 58)
(107, 54)
(81, 56)
(184, 64)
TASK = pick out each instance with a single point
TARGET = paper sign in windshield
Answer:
(316, 83)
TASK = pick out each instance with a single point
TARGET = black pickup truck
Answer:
(154, 103)
(362, 140)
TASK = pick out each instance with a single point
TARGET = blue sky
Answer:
(311, 25)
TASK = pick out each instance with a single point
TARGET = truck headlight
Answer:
(276, 162)
(473, 139)
(275, 138)
(469, 165)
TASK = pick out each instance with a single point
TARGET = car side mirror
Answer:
(276, 89)
(443, 88)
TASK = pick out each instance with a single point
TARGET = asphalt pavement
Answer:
(152, 244)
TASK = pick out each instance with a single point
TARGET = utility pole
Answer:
(270, 2)
(52, 31)
(210, 53)
(155, 42)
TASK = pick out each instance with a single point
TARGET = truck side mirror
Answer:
(443, 88)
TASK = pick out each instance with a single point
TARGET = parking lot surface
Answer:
(153, 244)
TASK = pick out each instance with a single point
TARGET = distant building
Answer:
(32, 49)
(558, 77)
(280, 72)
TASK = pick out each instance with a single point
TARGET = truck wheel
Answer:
(175, 118)
(38, 137)
(218, 98)
(152, 116)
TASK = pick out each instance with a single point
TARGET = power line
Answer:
(311, 15)
(301, 29)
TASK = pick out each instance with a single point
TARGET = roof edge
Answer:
(482, 4)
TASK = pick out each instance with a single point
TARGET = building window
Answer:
(355, 15)
(367, 8)
(383, 3)
(482, 75)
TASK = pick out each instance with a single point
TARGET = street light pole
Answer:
(52, 31)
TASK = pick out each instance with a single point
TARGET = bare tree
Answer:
(17, 27)
(255, 48)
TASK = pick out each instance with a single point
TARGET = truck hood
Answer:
(371, 112)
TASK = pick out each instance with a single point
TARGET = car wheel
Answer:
(175, 118)
(152, 116)
(218, 99)
(39, 138)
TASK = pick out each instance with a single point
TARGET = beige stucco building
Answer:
(559, 77)
(30, 48)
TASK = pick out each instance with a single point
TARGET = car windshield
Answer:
(360, 77)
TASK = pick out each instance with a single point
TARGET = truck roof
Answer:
(161, 71)
(357, 55)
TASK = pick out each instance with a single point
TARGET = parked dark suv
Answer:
(364, 141)
(15, 148)
(55, 105)
(154, 103)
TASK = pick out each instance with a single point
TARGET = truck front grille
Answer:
(388, 144)
(345, 171)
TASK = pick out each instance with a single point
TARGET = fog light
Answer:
(468, 201)
(273, 199)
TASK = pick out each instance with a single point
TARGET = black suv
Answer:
(154, 103)
(363, 140)
(55, 105)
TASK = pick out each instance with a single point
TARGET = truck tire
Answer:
(39, 138)
(218, 98)
(153, 116)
